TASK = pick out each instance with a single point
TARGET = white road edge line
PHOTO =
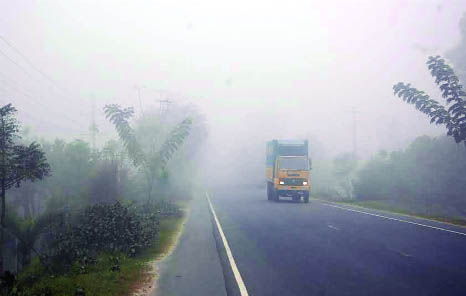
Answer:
(394, 219)
(238, 278)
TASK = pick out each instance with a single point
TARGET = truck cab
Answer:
(288, 170)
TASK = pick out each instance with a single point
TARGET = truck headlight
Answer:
(282, 182)
(304, 182)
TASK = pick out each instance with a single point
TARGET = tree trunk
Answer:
(27, 209)
(2, 226)
(149, 191)
(150, 184)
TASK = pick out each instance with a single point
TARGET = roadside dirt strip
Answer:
(233, 281)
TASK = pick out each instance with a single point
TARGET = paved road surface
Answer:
(314, 249)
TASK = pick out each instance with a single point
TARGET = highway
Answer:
(289, 248)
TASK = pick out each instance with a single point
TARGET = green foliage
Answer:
(429, 176)
(120, 119)
(343, 167)
(18, 162)
(112, 273)
(101, 228)
(99, 278)
(73, 165)
(344, 164)
(28, 232)
(151, 160)
(452, 91)
(9, 126)
(80, 176)
(174, 140)
(333, 179)
(105, 186)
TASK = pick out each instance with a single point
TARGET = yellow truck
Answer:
(288, 169)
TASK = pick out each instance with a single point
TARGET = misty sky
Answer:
(256, 69)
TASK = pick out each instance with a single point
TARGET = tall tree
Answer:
(151, 161)
(452, 91)
(18, 163)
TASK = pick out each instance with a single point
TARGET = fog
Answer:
(256, 70)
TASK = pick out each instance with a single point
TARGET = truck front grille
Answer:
(293, 181)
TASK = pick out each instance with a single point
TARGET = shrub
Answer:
(100, 228)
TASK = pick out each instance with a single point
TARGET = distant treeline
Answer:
(430, 174)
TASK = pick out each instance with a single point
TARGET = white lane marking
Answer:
(238, 278)
(333, 227)
(394, 219)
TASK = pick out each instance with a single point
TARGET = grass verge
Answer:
(100, 279)
(377, 205)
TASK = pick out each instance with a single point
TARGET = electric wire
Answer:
(41, 120)
(35, 68)
(32, 100)
(28, 61)
(38, 119)
(31, 64)
(18, 65)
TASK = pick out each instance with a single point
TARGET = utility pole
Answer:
(355, 141)
(138, 88)
(164, 104)
(93, 127)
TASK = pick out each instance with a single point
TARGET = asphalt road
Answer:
(288, 248)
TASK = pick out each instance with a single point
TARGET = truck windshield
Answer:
(292, 163)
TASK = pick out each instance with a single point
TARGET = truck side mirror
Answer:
(310, 164)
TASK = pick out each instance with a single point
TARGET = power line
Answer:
(38, 119)
(30, 99)
(138, 88)
(18, 65)
(30, 63)
(49, 123)
(164, 104)
(93, 127)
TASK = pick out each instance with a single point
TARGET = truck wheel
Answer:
(306, 197)
(269, 193)
(276, 197)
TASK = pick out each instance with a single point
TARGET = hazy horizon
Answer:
(256, 70)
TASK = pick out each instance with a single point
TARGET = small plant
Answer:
(80, 292)
(115, 264)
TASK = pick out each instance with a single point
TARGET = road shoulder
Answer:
(194, 266)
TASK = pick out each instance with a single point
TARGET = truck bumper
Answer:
(292, 190)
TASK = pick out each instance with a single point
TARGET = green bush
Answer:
(101, 238)
(100, 228)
